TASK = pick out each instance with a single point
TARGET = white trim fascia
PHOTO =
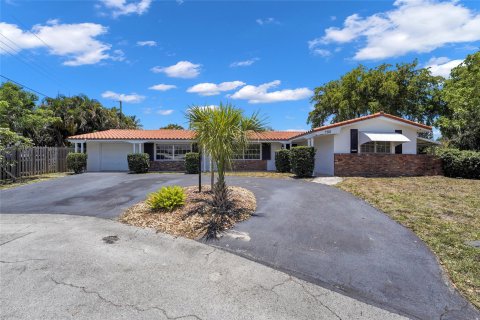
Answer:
(314, 134)
(388, 120)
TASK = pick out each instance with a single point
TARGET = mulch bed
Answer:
(196, 219)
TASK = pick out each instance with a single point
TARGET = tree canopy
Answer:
(51, 121)
(404, 90)
(173, 126)
(460, 124)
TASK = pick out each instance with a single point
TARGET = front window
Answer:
(375, 147)
(252, 152)
(171, 151)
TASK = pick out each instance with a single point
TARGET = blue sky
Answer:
(160, 57)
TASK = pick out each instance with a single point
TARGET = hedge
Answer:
(138, 162)
(302, 161)
(282, 160)
(191, 162)
(460, 164)
(77, 162)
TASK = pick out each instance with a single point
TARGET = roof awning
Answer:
(423, 142)
(376, 136)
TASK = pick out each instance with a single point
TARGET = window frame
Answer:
(388, 144)
(243, 153)
(172, 146)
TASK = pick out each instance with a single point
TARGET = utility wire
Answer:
(36, 36)
(17, 51)
(24, 86)
(24, 60)
(45, 43)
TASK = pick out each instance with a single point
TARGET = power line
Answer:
(24, 86)
(36, 36)
(54, 76)
(23, 60)
(40, 69)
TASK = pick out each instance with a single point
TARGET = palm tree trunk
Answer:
(212, 175)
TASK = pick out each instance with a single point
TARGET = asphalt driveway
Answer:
(47, 273)
(314, 232)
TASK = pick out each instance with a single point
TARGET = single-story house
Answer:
(379, 144)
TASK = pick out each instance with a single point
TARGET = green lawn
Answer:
(27, 180)
(443, 212)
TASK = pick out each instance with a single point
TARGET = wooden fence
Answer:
(33, 161)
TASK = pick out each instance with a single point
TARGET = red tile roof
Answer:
(274, 135)
(131, 134)
(164, 134)
(167, 134)
(370, 116)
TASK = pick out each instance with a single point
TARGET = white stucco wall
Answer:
(275, 146)
(342, 140)
(324, 155)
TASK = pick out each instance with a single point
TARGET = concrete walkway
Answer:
(58, 267)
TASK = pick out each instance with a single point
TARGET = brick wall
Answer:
(387, 165)
(167, 165)
(249, 165)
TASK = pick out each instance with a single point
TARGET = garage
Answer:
(113, 156)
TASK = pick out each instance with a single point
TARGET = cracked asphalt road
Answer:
(61, 268)
(314, 232)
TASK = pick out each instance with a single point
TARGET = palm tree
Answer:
(222, 132)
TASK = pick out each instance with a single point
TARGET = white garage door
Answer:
(113, 156)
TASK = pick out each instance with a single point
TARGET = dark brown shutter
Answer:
(148, 148)
(194, 147)
(398, 148)
(353, 140)
(266, 151)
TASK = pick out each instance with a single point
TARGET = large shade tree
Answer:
(404, 90)
(222, 132)
(460, 125)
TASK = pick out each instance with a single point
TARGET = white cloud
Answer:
(244, 63)
(260, 94)
(182, 69)
(165, 112)
(129, 98)
(321, 52)
(180, 2)
(147, 43)
(412, 26)
(441, 66)
(76, 42)
(264, 21)
(124, 7)
(163, 87)
(212, 89)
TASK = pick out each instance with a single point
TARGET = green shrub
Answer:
(460, 164)
(302, 161)
(77, 162)
(138, 162)
(282, 160)
(167, 198)
(191, 162)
